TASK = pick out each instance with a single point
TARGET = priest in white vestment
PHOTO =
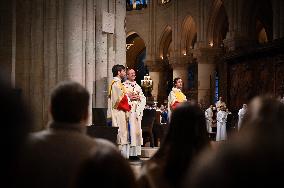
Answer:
(220, 103)
(241, 115)
(137, 103)
(221, 124)
(209, 118)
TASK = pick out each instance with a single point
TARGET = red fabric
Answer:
(175, 105)
(123, 104)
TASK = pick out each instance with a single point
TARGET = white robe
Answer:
(119, 117)
(221, 125)
(209, 119)
(241, 114)
(135, 117)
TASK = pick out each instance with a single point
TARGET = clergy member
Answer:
(137, 103)
(120, 108)
(241, 115)
(220, 103)
(221, 124)
(209, 118)
(176, 96)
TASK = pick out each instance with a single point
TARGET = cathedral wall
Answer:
(6, 39)
(138, 22)
(61, 40)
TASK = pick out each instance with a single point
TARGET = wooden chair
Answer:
(147, 123)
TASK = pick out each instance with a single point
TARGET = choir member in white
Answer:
(209, 118)
(241, 115)
(137, 103)
(282, 100)
(221, 124)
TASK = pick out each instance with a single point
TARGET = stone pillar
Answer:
(120, 32)
(151, 43)
(14, 42)
(50, 53)
(180, 69)
(90, 52)
(206, 70)
(238, 34)
(155, 68)
(6, 8)
(278, 19)
(201, 20)
(73, 40)
(36, 69)
(111, 53)
(101, 72)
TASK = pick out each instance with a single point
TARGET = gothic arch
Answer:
(188, 34)
(135, 45)
(258, 18)
(218, 24)
(131, 32)
(165, 41)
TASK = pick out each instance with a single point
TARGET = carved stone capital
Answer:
(183, 60)
(206, 55)
(179, 65)
(234, 42)
(154, 65)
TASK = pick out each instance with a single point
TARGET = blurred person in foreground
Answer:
(186, 137)
(253, 158)
(54, 155)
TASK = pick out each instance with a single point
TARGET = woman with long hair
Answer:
(186, 137)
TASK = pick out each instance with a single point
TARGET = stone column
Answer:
(238, 35)
(155, 68)
(151, 43)
(90, 51)
(73, 40)
(36, 69)
(110, 40)
(201, 20)
(50, 52)
(6, 8)
(181, 70)
(101, 72)
(23, 49)
(278, 20)
(120, 32)
(14, 42)
(111, 48)
(206, 70)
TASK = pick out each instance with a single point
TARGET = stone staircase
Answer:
(146, 154)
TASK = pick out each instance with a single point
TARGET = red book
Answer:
(123, 104)
(175, 105)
